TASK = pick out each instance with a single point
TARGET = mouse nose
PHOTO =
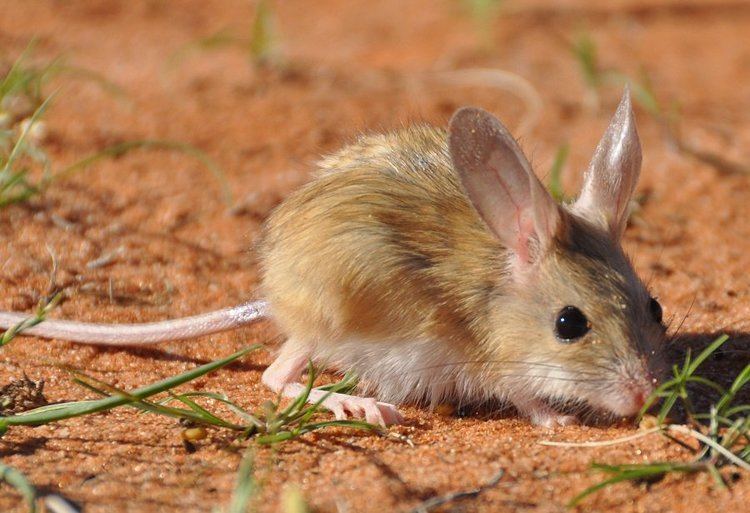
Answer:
(640, 398)
(640, 392)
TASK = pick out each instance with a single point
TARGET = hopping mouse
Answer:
(435, 265)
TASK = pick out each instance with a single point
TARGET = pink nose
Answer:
(640, 396)
(640, 393)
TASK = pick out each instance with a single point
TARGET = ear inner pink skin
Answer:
(613, 173)
(500, 183)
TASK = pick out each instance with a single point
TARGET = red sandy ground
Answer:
(351, 66)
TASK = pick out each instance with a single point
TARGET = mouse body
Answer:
(435, 265)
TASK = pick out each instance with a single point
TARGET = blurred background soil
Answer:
(340, 68)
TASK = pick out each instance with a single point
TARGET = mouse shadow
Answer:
(161, 355)
(722, 366)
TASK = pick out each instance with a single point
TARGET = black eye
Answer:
(655, 308)
(571, 324)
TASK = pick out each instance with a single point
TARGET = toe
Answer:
(336, 407)
(339, 412)
(354, 408)
(373, 415)
(390, 414)
(567, 420)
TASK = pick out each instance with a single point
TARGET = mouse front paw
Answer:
(541, 414)
(555, 420)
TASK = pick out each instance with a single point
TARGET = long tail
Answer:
(141, 334)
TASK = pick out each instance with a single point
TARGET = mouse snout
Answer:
(639, 391)
(640, 395)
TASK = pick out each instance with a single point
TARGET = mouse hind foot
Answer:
(283, 376)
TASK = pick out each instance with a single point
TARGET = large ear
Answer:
(613, 173)
(501, 186)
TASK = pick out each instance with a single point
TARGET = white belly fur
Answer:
(422, 372)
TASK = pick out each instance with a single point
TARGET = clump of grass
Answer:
(25, 168)
(722, 432)
(261, 44)
(62, 411)
(272, 424)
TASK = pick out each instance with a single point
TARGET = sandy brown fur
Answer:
(385, 223)
(382, 265)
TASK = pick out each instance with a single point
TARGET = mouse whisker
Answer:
(485, 363)
(682, 322)
(554, 378)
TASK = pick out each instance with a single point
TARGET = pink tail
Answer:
(141, 334)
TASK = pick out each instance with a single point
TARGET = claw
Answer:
(374, 412)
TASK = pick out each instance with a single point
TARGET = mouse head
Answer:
(584, 327)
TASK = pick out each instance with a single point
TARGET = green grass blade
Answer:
(666, 407)
(16, 76)
(334, 388)
(144, 405)
(262, 41)
(736, 410)
(56, 412)
(197, 415)
(555, 174)
(41, 313)
(347, 384)
(245, 487)
(18, 147)
(585, 52)
(92, 76)
(708, 383)
(204, 413)
(286, 435)
(631, 473)
(297, 404)
(240, 412)
(706, 353)
(739, 382)
(18, 481)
